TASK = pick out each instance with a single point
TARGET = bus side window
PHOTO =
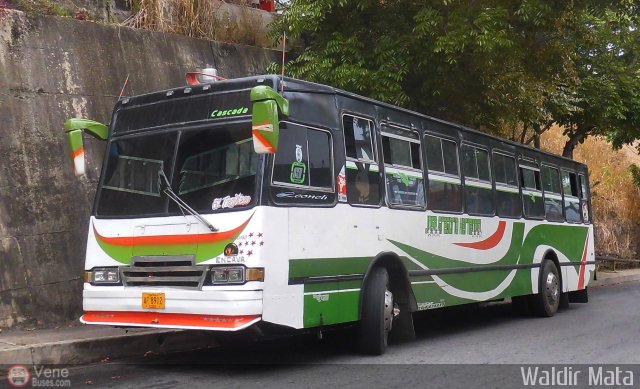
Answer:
(584, 198)
(403, 174)
(362, 173)
(477, 181)
(552, 194)
(531, 190)
(304, 161)
(445, 192)
(507, 192)
(571, 197)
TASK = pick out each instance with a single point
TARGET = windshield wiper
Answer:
(176, 199)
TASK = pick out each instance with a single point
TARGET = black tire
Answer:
(375, 321)
(547, 301)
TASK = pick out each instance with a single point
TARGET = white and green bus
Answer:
(230, 204)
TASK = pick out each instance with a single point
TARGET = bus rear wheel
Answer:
(547, 301)
(376, 317)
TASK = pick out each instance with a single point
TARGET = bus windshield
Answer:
(215, 170)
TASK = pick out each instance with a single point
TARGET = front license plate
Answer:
(153, 300)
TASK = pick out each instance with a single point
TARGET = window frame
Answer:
(478, 182)
(350, 160)
(511, 188)
(438, 173)
(571, 197)
(489, 166)
(403, 167)
(533, 166)
(505, 187)
(552, 195)
(280, 184)
(374, 143)
(442, 176)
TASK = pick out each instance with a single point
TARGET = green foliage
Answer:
(499, 65)
(635, 174)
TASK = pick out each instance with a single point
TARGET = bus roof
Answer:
(296, 85)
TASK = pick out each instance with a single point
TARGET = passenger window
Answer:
(444, 175)
(358, 138)
(531, 190)
(584, 198)
(477, 181)
(507, 193)
(362, 173)
(571, 198)
(403, 174)
(552, 194)
(304, 158)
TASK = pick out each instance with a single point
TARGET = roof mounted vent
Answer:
(204, 76)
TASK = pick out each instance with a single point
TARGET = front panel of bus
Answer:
(177, 238)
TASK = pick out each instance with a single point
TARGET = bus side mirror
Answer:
(74, 128)
(265, 119)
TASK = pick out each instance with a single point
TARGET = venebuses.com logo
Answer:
(19, 376)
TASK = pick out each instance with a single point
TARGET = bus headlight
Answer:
(227, 275)
(105, 275)
(221, 275)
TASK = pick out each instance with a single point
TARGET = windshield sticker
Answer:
(298, 168)
(230, 202)
(298, 172)
(298, 153)
(229, 112)
(304, 196)
(342, 186)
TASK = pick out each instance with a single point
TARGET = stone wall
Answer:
(52, 69)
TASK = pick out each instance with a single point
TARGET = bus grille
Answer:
(176, 270)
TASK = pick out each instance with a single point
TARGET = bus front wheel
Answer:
(547, 301)
(376, 317)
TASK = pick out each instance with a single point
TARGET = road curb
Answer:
(607, 279)
(108, 348)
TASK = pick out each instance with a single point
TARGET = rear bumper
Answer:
(188, 309)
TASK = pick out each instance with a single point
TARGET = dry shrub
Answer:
(207, 19)
(614, 195)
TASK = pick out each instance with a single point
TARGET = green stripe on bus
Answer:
(331, 308)
(331, 286)
(317, 267)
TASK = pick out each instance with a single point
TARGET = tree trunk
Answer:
(574, 139)
(523, 134)
(537, 131)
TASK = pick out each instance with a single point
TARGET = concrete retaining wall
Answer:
(52, 69)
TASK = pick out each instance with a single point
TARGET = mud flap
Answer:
(403, 329)
(579, 296)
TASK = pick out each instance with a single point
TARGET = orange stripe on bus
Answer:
(168, 319)
(490, 242)
(171, 239)
(583, 266)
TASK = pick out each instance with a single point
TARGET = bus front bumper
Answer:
(185, 309)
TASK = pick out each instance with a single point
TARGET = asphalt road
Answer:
(494, 343)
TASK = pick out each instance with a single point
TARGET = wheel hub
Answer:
(388, 310)
(552, 289)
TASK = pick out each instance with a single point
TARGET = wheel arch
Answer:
(398, 279)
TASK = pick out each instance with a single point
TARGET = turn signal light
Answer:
(255, 274)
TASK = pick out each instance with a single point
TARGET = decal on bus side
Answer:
(229, 112)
